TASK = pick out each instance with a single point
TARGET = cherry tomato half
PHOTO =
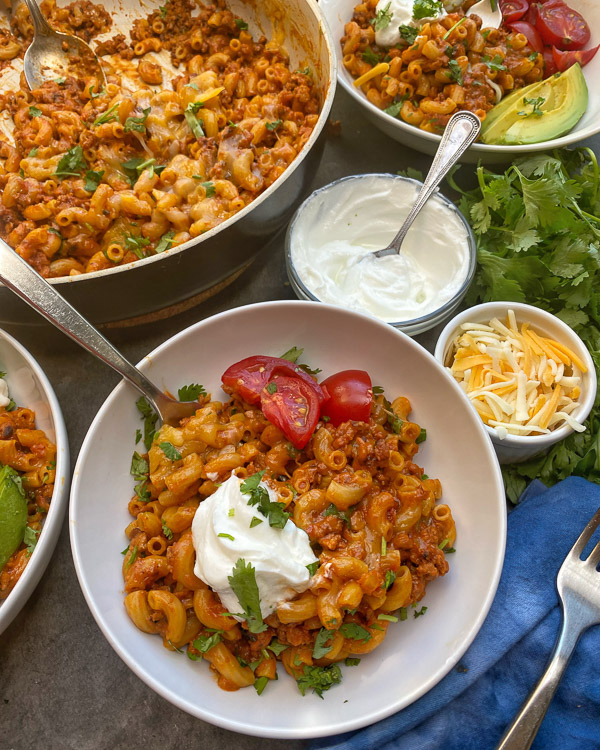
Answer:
(562, 26)
(564, 60)
(533, 38)
(249, 376)
(351, 396)
(512, 10)
(293, 406)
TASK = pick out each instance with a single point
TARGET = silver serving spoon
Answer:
(47, 57)
(462, 129)
(26, 283)
(489, 12)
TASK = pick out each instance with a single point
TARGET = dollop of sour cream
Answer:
(222, 535)
(4, 398)
(400, 13)
(340, 225)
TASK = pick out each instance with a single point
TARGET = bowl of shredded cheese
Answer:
(528, 375)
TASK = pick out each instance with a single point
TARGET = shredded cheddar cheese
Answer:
(375, 71)
(520, 382)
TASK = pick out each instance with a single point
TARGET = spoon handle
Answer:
(26, 283)
(40, 25)
(462, 129)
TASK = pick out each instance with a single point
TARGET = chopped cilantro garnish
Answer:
(312, 567)
(165, 242)
(273, 125)
(390, 577)
(170, 451)
(319, 679)
(166, 530)
(355, 632)
(323, 643)
(226, 536)
(494, 63)
(351, 662)
(205, 642)
(535, 104)
(383, 18)
(71, 164)
(276, 647)
(30, 538)
(33, 152)
(271, 388)
(255, 521)
(293, 354)
(109, 116)
(260, 684)
(244, 586)
(137, 243)
(260, 497)
(419, 612)
(408, 33)
(191, 119)
(403, 613)
(190, 392)
(241, 24)
(150, 418)
(332, 510)
(137, 123)
(369, 56)
(92, 180)
(456, 72)
(138, 436)
(131, 559)
(35, 112)
(427, 8)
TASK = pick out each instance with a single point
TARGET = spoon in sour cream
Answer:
(462, 129)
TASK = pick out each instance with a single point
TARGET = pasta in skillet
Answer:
(101, 176)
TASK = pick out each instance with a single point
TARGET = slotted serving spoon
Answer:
(462, 129)
(26, 283)
(48, 56)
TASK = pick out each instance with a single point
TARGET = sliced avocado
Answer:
(13, 513)
(540, 112)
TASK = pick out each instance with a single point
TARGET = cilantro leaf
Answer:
(150, 418)
(408, 33)
(293, 354)
(241, 24)
(71, 164)
(355, 632)
(170, 451)
(92, 180)
(35, 112)
(205, 642)
(323, 643)
(427, 8)
(137, 123)
(165, 242)
(276, 647)
(390, 577)
(166, 530)
(319, 679)
(191, 119)
(456, 73)
(190, 392)
(30, 538)
(419, 612)
(369, 56)
(383, 18)
(312, 567)
(244, 586)
(273, 125)
(260, 684)
(494, 63)
(139, 467)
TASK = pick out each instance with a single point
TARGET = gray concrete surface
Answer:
(62, 687)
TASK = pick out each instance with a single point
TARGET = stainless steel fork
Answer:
(578, 584)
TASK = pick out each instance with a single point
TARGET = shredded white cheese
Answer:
(520, 382)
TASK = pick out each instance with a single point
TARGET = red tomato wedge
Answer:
(351, 396)
(533, 38)
(293, 406)
(512, 10)
(561, 26)
(549, 65)
(563, 60)
(249, 376)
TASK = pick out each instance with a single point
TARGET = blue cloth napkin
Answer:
(472, 706)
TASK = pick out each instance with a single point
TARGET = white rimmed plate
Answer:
(417, 653)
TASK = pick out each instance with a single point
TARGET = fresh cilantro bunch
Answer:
(538, 241)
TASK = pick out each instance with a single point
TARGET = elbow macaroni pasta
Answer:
(452, 64)
(30, 452)
(102, 176)
(370, 512)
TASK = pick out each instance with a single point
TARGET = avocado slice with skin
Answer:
(13, 513)
(540, 112)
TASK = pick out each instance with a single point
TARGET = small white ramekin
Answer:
(517, 448)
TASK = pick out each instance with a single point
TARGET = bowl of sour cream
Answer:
(332, 236)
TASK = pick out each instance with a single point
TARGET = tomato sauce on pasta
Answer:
(372, 516)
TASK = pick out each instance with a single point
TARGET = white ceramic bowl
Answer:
(517, 448)
(417, 653)
(29, 387)
(337, 14)
(329, 194)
